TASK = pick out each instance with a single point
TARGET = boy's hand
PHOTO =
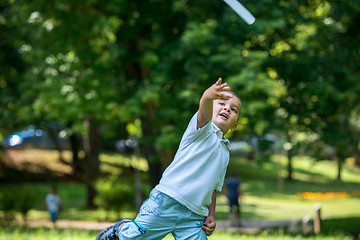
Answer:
(216, 91)
(209, 225)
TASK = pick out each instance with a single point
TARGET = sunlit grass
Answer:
(73, 234)
(126, 161)
(46, 234)
(323, 170)
(265, 197)
(35, 160)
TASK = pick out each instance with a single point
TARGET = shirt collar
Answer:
(219, 133)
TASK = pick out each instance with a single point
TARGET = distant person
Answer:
(183, 203)
(53, 204)
(233, 187)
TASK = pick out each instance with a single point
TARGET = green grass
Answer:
(73, 202)
(338, 226)
(263, 197)
(45, 234)
(72, 194)
(266, 197)
(74, 234)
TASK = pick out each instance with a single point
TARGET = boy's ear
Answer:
(234, 127)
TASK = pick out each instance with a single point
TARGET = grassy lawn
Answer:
(74, 234)
(267, 195)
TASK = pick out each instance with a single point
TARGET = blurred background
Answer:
(97, 93)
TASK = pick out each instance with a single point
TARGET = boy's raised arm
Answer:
(216, 91)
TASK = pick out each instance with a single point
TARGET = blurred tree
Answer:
(65, 85)
(337, 50)
(90, 66)
(278, 87)
(11, 67)
(314, 56)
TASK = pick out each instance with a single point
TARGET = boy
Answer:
(183, 203)
(233, 193)
(53, 204)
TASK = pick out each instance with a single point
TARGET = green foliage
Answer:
(296, 68)
(26, 201)
(8, 205)
(117, 194)
(12, 66)
(316, 100)
(12, 202)
(113, 194)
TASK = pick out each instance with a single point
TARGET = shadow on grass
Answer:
(332, 227)
(10, 174)
(342, 225)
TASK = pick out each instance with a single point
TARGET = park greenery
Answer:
(111, 70)
(95, 67)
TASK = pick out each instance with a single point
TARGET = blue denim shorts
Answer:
(160, 215)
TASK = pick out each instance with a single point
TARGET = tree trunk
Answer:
(137, 178)
(76, 167)
(1, 159)
(290, 155)
(154, 163)
(148, 147)
(290, 168)
(57, 145)
(166, 157)
(340, 163)
(357, 161)
(91, 142)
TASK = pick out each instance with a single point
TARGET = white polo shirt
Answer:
(198, 168)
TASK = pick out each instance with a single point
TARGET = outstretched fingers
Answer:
(221, 88)
(218, 82)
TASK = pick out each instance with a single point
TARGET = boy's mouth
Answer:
(223, 115)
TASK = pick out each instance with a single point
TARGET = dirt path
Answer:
(63, 223)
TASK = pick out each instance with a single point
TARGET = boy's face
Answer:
(226, 113)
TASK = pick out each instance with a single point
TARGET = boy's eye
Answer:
(221, 103)
(234, 110)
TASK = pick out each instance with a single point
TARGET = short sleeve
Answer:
(219, 187)
(192, 132)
